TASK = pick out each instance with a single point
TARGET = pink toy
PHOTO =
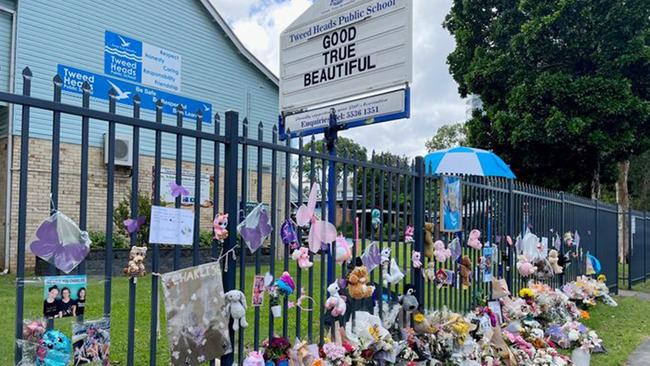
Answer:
(473, 240)
(254, 359)
(524, 266)
(301, 255)
(408, 234)
(440, 252)
(415, 259)
(335, 302)
(221, 227)
(343, 251)
(509, 240)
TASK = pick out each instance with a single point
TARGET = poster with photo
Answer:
(258, 291)
(495, 306)
(197, 328)
(64, 296)
(451, 205)
(91, 342)
(487, 262)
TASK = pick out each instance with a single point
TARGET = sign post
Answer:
(344, 64)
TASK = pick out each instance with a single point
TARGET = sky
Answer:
(435, 100)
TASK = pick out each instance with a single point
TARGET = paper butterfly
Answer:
(288, 234)
(255, 228)
(371, 257)
(177, 190)
(133, 225)
(320, 231)
(59, 241)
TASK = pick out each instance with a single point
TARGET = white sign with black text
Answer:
(363, 111)
(341, 49)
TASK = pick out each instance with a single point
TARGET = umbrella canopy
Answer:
(468, 161)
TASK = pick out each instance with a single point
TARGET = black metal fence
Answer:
(404, 195)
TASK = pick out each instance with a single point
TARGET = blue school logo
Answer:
(122, 57)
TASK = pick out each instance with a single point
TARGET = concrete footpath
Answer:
(641, 356)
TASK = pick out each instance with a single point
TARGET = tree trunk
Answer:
(595, 183)
(623, 201)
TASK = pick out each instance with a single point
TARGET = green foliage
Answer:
(123, 212)
(98, 239)
(447, 136)
(565, 84)
(640, 181)
(344, 147)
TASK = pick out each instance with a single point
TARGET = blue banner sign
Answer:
(100, 85)
(122, 57)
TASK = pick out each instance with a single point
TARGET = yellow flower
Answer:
(419, 318)
(526, 293)
(602, 278)
(374, 332)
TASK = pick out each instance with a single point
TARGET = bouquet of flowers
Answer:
(276, 351)
(574, 334)
(335, 354)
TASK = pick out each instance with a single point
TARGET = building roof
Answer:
(240, 46)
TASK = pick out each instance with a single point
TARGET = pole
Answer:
(331, 136)
(418, 222)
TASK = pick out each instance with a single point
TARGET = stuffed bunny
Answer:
(236, 308)
(416, 259)
(335, 302)
(440, 252)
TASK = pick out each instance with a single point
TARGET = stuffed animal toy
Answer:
(53, 349)
(524, 266)
(408, 234)
(465, 269)
(375, 215)
(236, 308)
(416, 261)
(440, 252)
(335, 302)
(554, 259)
(429, 273)
(544, 269)
(499, 288)
(135, 266)
(34, 330)
(301, 255)
(473, 239)
(408, 301)
(343, 250)
(254, 359)
(391, 273)
(358, 287)
(285, 284)
(428, 240)
(221, 227)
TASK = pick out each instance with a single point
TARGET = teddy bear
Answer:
(236, 308)
(428, 240)
(554, 259)
(416, 259)
(473, 239)
(465, 271)
(429, 272)
(135, 266)
(358, 287)
(335, 302)
(301, 255)
(524, 266)
(221, 227)
(440, 252)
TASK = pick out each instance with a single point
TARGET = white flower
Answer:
(573, 335)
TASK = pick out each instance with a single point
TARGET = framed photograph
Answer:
(258, 291)
(495, 306)
(451, 205)
(64, 296)
(91, 341)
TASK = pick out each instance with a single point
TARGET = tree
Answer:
(447, 136)
(345, 147)
(565, 86)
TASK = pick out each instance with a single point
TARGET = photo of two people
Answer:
(64, 296)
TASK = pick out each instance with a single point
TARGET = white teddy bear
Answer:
(236, 308)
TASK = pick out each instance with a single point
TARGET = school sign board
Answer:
(343, 50)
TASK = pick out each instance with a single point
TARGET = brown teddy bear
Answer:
(135, 267)
(358, 287)
(428, 240)
(466, 271)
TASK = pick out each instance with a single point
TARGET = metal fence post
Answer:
(645, 246)
(510, 229)
(629, 247)
(597, 211)
(230, 205)
(418, 222)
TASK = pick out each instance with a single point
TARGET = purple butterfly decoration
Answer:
(255, 228)
(371, 257)
(288, 234)
(48, 246)
(178, 190)
(133, 225)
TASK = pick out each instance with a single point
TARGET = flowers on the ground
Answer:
(526, 293)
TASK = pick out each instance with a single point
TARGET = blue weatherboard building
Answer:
(179, 52)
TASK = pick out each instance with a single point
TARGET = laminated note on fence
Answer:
(171, 226)
(197, 327)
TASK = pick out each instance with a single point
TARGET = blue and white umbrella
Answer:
(467, 161)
